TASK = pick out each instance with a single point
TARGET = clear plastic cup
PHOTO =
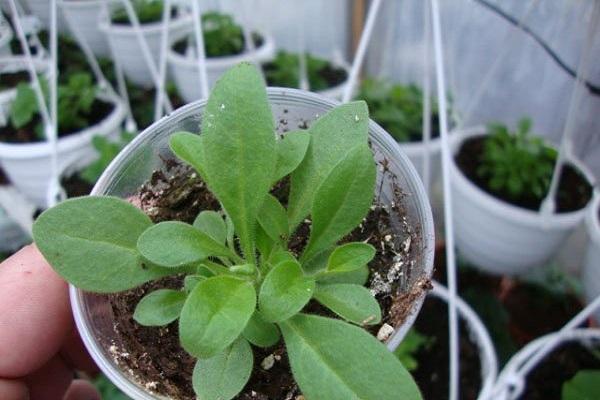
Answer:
(291, 108)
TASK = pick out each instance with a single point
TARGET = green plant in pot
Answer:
(398, 109)
(147, 11)
(284, 71)
(243, 285)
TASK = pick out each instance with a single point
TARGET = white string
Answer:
(548, 205)
(135, 23)
(450, 254)
(426, 126)
(55, 192)
(361, 50)
(200, 50)
(162, 60)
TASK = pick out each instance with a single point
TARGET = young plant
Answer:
(516, 164)
(284, 71)
(222, 36)
(412, 343)
(107, 150)
(398, 109)
(74, 104)
(243, 286)
(147, 11)
(585, 385)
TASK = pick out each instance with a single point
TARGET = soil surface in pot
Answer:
(154, 356)
(9, 80)
(432, 374)
(181, 46)
(574, 191)
(546, 380)
(33, 131)
(333, 75)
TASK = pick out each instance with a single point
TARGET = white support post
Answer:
(450, 251)
(162, 60)
(200, 50)
(426, 126)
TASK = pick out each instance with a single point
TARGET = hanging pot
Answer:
(127, 51)
(28, 165)
(499, 237)
(150, 150)
(16, 64)
(184, 67)
(5, 38)
(83, 20)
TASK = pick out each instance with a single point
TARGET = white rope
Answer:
(162, 60)
(548, 205)
(55, 192)
(135, 23)
(361, 50)
(426, 126)
(200, 50)
(450, 252)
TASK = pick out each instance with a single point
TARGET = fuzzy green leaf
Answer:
(284, 292)
(190, 281)
(333, 360)
(215, 314)
(188, 147)
(272, 217)
(212, 223)
(332, 137)
(350, 256)
(342, 200)
(359, 276)
(290, 152)
(91, 242)
(172, 244)
(238, 131)
(223, 376)
(354, 303)
(260, 332)
(280, 256)
(585, 385)
(160, 307)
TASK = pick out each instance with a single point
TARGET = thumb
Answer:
(81, 389)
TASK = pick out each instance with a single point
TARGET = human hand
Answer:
(39, 345)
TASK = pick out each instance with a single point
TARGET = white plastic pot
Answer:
(337, 91)
(28, 166)
(479, 335)
(512, 380)
(41, 10)
(11, 235)
(591, 265)
(83, 19)
(184, 67)
(5, 37)
(499, 237)
(15, 64)
(126, 49)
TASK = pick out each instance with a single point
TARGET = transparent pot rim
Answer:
(415, 188)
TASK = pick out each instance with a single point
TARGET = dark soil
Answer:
(432, 373)
(546, 380)
(76, 186)
(574, 191)
(10, 80)
(181, 45)
(154, 354)
(333, 75)
(27, 134)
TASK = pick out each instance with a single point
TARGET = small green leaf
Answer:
(358, 276)
(212, 224)
(585, 385)
(223, 376)
(272, 217)
(91, 242)
(333, 360)
(172, 244)
(350, 256)
(190, 282)
(260, 332)
(342, 200)
(188, 147)
(215, 314)
(244, 269)
(332, 137)
(284, 292)
(280, 256)
(160, 307)
(290, 152)
(238, 130)
(354, 303)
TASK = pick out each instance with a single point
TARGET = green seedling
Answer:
(516, 164)
(284, 71)
(222, 36)
(243, 286)
(398, 109)
(107, 150)
(410, 346)
(585, 385)
(147, 11)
